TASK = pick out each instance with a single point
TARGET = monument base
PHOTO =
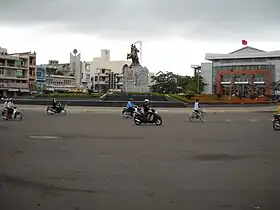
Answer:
(136, 79)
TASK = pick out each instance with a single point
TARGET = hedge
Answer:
(213, 99)
(138, 93)
(69, 95)
(92, 95)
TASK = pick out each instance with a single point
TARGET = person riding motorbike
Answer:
(130, 106)
(55, 105)
(146, 108)
(6, 108)
(10, 107)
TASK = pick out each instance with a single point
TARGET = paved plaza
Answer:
(86, 161)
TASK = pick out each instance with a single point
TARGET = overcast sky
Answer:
(175, 33)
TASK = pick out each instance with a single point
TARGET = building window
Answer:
(39, 74)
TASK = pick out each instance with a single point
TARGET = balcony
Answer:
(32, 77)
(13, 85)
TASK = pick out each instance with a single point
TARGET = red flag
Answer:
(244, 42)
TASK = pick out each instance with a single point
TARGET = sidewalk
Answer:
(81, 109)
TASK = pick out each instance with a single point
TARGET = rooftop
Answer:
(243, 53)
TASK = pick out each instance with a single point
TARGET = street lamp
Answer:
(197, 71)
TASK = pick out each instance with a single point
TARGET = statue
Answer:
(133, 55)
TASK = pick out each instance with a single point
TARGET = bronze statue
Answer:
(133, 55)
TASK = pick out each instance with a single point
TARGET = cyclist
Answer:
(196, 108)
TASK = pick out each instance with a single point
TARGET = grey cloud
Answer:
(196, 19)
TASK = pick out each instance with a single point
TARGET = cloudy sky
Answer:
(175, 34)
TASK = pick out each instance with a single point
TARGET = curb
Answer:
(264, 111)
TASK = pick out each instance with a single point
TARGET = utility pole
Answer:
(197, 71)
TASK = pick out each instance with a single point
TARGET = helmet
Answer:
(146, 100)
(131, 99)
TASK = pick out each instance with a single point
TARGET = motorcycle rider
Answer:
(10, 108)
(55, 105)
(130, 106)
(146, 108)
(6, 108)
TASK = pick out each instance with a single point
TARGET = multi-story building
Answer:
(56, 83)
(86, 75)
(40, 79)
(31, 57)
(106, 79)
(58, 76)
(245, 71)
(17, 73)
(56, 68)
(104, 62)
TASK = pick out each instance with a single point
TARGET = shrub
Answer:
(70, 95)
(219, 95)
(180, 98)
(138, 93)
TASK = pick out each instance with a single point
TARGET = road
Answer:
(106, 110)
(91, 161)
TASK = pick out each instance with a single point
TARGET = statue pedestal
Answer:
(136, 79)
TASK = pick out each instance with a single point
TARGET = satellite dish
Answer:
(75, 51)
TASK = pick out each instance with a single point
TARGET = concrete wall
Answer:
(76, 66)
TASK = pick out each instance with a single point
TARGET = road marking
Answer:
(229, 120)
(253, 120)
(44, 137)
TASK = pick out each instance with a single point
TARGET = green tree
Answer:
(165, 82)
(168, 82)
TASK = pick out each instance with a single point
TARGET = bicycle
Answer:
(201, 115)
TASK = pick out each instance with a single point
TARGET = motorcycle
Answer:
(60, 109)
(128, 114)
(152, 117)
(276, 122)
(17, 115)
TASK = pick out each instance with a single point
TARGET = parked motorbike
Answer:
(59, 110)
(276, 122)
(128, 114)
(16, 115)
(152, 117)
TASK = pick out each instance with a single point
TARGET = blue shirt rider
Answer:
(130, 105)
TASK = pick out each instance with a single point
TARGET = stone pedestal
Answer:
(136, 79)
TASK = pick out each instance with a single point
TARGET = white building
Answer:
(86, 75)
(76, 67)
(104, 62)
(247, 71)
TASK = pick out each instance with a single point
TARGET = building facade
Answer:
(105, 80)
(247, 71)
(17, 73)
(57, 83)
(40, 79)
(104, 62)
(86, 75)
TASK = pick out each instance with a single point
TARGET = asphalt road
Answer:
(103, 162)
